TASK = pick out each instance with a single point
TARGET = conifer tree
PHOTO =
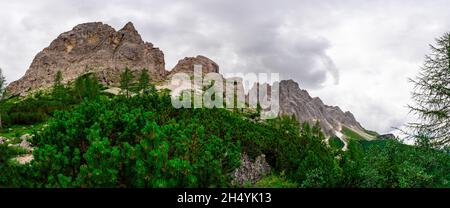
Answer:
(144, 80)
(432, 96)
(58, 87)
(86, 86)
(126, 79)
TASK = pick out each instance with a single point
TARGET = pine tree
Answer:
(86, 87)
(58, 79)
(144, 80)
(2, 93)
(126, 79)
(58, 87)
(432, 95)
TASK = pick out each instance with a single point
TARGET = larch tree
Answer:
(431, 96)
(126, 79)
(58, 87)
(144, 80)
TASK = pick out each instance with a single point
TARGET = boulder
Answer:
(26, 145)
(3, 140)
(251, 172)
(25, 159)
(26, 137)
(386, 136)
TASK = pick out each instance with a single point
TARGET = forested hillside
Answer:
(86, 138)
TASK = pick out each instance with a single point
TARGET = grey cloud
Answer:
(247, 30)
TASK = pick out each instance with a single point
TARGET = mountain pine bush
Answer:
(142, 141)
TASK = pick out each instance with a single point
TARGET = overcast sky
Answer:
(354, 54)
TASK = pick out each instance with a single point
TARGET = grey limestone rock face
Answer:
(251, 171)
(298, 102)
(91, 48)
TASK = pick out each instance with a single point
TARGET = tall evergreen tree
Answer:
(432, 95)
(126, 79)
(58, 79)
(58, 87)
(2, 93)
(86, 86)
(144, 80)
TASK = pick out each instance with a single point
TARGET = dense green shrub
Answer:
(336, 143)
(124, 143)
(396, 165)
(274, 181)
(10, 172)
(40, 106)
(142, 141)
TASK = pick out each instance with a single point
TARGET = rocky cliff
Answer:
(91, 47)
(298, 102)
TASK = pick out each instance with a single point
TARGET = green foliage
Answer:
(144, 80)
(2, 84)
(10, 172)
(301, 153)
(59, 90)
(2, 95)
(31, 110)
(17, 131)
(124, 143)
(86, 87)
(372, 133)
(336, 143)
(142, 141)
(351, 163)
(126, 81)
(396, 165)
(367, 144)
(275, 181)
(351, 134)
(37, 108)
(431, 95)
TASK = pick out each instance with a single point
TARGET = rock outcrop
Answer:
(3, 140)
(24, 159)
(251, 172)
(298, 102)
(187, 64)
(91, 47)
(386, 136)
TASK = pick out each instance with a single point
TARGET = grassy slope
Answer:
(358, 135)
(368, 139)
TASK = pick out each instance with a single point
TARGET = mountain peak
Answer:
(298, 102)
(129, 27)
(129, 33)
(91, 47)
